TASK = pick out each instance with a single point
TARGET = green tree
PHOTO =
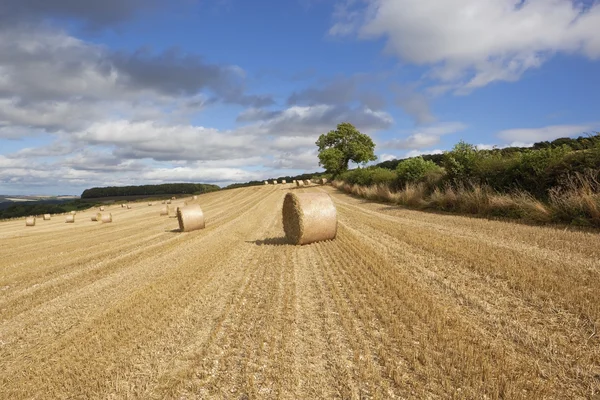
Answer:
(415, 169)
(337, 148)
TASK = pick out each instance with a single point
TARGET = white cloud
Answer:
(386, 157)
(416, 153)
(471, 43)
(426, 136)
(527, 135)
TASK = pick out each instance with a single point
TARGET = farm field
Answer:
(403, 304)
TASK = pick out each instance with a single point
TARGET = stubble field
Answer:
(403, 304)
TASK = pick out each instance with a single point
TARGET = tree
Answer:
(337, 148)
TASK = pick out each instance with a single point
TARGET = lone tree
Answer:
(346, 143)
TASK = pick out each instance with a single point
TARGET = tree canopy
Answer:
(338, 147)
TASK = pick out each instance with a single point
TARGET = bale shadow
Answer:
(274, 241)
(176, 230)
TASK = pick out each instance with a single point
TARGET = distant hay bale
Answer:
(299, 183)
(73, 212)
(128, 207)
(168, 201)
(274, 182)
(47, 217)
(30, 221)
(70, 219)
(306, 182)
(323, 181)
(163, 202)
(195, 198)
(173, 198)
(266, 182)
(164, 211)
(97, 217)
(106, 218)
(190, 218)
(102, 208)
(284, 181)
(309, 217)
(122, 205)
(149, 204)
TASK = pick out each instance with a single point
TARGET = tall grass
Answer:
(577, 201)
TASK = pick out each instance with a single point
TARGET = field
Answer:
(403, 304)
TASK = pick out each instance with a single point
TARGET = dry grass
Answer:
(402, 304)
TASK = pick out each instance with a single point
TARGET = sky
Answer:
(128, 92)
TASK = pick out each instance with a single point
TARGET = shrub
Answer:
(415, 170)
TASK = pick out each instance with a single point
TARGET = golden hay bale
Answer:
(30, 221)
(97, 217)
(163, 202)
(266, 183)
(168, 201)
(190, 218)
(73, 212)
(102, 208)
(164, 211)
(323, 181)
(309, 217)
(173, 198)
(128, 207)
(70, 219)
(306, 182)
(106, 218)
(299, 183)
(122, 205)
(195, 197)
(283, 181)
(46, 217)
(149, 204)
(274, 182)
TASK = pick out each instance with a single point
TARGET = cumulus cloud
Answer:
(425, 136)
(416, 153)
(532, 135)
(471, 43)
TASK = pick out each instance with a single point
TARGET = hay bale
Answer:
(122, 205)
(163, 202)
(173, 198)
(164, 211)
(128, 207)
(70, 219)
(149, 204)
(46, 217)
(195, 198)
(168, 201)
(283, 181)
(299, 183)
(306, 182)
(323, 181)
(73, 212)
(309, 217)
(30, 221)
(102, 208)
(266, 182)
(97, 217)
(106, 218)
(274, 182)
(190, 218)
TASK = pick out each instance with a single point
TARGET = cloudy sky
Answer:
(119, 92)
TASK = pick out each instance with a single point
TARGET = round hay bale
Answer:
(128, 207)
(73, 212)
(106, 218)
(306, 182)
(97, 217)
(163, 202)
(168, 201)
(190, 218)
(284, 181)
(274, 182)
(149, 204)
(195, 197)
(47, 217)
(164, 211)
(173, 198)
(266, 183)
(30, 221)
(70, 219)
(323, 181)
(102, 208)
(309, 217)
(299, 183)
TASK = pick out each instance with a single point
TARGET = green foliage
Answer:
(460, 163)
(369, 176)
(26, 209)
(414, 170)
(148, 190)
(338, 147)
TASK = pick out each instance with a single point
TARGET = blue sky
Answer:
(124, 92)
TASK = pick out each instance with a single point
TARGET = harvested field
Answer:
(402, 304)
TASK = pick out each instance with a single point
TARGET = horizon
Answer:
(130, 92)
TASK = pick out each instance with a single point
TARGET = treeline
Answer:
(149, 190)
(24, 209)
(562, 176)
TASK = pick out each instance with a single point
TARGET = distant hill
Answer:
(149, 190)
